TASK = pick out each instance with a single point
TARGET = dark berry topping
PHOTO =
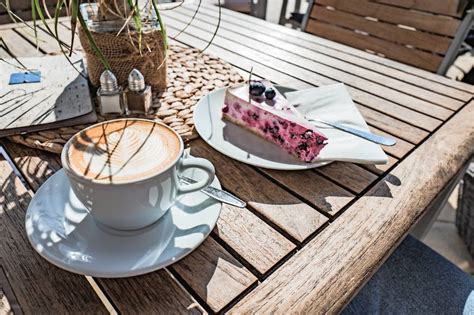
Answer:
(275, 129)
(255, 116)
(225, 109)
(292, 124)
(307, 134)
(270, 93)
(257, 88)
(319, 140)
(280, 139)
(292, 135)
(302, 146)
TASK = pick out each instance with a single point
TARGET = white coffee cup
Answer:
(137, 203)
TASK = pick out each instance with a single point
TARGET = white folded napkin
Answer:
(334, 104)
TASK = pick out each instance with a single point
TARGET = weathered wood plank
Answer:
(327, 66)
(39, 286)
(216, 276)
(392, 68)
(153, 293)
(391, 32)
(36, 166)
(400, 149)
(419, 20)
(337, 262)
(390, 50)
(406, 73)
(19, 46)
(391, 125)
(447, 7)
(266, 198)
(44, 41)
(259, 244)
(325, 195)
(348, 175)
(4, 53)
(382, 168)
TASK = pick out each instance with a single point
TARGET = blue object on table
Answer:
(25, 77)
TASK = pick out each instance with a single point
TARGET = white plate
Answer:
(60, 230)
(238, 143)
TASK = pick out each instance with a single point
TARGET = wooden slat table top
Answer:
(307, 240)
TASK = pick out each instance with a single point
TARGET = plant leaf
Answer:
(162, 25)
(217, 26)
(190, 21)
(91, 40)
(138, 21)
(73, 19)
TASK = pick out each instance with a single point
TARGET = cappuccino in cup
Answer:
(126, 171)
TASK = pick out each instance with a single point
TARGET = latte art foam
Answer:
(123, 150)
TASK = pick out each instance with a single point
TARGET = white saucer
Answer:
(239, 143)
(60, 230)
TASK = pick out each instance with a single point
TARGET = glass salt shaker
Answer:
(138, 96)
(110, 94)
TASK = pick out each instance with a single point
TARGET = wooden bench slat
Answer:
(407, 55)
(427, 22)
(4, 53)
(45, 41)
(254, 240)
(349, 175)
(18, 45)
(314, 188)
(399, 112)
(390, 32)
(391, 125)
(216, 276)
(21, 5)
(400, 149)
(406, 72)
(381, 168)
(153, 293)
(338, 261)
(326, 65)
(446, 7)
(38, 286)
(265, 197)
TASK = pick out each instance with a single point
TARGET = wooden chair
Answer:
(22, 9)
(424, 33)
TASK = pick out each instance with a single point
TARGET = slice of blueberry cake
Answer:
(260, 108)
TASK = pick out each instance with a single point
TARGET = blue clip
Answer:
(25, 77)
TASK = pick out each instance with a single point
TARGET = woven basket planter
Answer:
(123, 50)
(465, 211)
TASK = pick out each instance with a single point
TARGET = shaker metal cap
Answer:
(108, 81)
(136, 81)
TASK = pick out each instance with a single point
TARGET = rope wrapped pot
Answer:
(123, 54)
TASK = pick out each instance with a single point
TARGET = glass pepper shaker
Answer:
(110, 94)
(138, 95)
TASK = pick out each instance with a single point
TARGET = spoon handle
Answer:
(360, 133)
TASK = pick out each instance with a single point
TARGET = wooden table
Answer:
(309, 239)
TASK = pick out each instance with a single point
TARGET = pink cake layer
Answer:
(276, 121)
